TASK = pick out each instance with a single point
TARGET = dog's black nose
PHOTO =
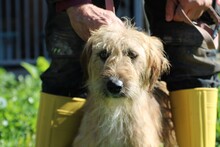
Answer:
(114, 85)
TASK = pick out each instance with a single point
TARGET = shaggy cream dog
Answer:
(123, 108)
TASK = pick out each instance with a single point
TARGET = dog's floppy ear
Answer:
(158, 63)
(85, 57)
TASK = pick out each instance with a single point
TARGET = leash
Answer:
(210, 36)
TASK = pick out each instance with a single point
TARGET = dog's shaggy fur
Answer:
(123, 107)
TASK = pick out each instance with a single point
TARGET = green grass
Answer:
(19, 100)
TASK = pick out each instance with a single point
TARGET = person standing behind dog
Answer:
(193, 78)
(68, 27)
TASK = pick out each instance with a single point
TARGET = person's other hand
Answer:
(193, 9)
(87, 17)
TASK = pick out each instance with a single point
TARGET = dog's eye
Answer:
(132, 54)
(103, 55)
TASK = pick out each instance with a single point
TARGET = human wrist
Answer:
(65, 4)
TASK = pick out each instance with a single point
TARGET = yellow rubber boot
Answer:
(194, 114)
(58, 121)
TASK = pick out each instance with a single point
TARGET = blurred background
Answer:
(23, 57)
(22, 28)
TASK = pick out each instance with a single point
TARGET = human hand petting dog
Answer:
(87, 17)
(193, 9)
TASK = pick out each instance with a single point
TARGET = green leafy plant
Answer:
(19, 99)
(35, 71)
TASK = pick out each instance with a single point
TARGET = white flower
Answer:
(5, 123)
(3, 103)
(30, 100)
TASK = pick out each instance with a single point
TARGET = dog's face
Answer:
(122, 62)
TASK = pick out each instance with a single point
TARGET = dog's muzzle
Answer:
(114, 87)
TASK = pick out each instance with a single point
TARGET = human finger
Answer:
(170, 9)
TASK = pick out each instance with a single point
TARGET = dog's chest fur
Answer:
(120, 124)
